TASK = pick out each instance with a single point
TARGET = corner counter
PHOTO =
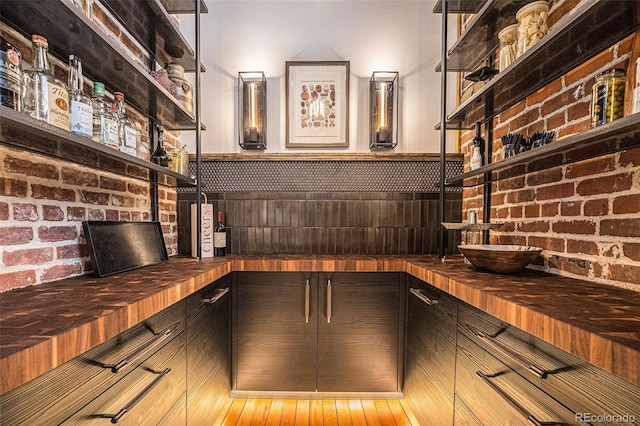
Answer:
(43, 326)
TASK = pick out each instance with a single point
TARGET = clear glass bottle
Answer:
(45, 96)
(10, 75)
(105, 123)
(607, 98)
(127, 133)
(81, 105)
(160, 155)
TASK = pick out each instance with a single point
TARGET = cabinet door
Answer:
(359, 332)
(275, 331)
(208, 351)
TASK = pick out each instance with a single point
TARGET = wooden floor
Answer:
(293, 412)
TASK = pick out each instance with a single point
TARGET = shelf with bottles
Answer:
(19, 130)
(69, 31)
(565, 46)
(619, 135)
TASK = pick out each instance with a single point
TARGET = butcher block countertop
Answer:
(46, 325)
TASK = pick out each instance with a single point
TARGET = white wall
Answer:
(386, 35)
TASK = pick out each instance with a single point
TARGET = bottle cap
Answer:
(98, 88)
(35, 38)
(119, 96)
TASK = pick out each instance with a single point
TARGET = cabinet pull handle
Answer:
(420, 295)
(501, 347)
(134, 355)
(116, 417)
(307, 291)
(216, 297)
(487, 379)
(328, 301)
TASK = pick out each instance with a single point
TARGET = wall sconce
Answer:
(252, 107)
(383, 110)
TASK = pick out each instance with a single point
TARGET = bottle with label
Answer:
(10, 75)
(607, 99)
(219, 238)
(477, 146)
(81, 105)
(105, 123)
(45, 97)
(127, 133)
(160, 155)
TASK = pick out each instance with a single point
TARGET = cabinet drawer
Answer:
(54, 396)
(580, 386)
(146, 395)
(495, 394)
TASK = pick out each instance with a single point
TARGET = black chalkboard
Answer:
(122, 246)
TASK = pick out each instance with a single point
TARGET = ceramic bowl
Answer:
(504, 259)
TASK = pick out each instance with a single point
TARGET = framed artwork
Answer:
(317, 96)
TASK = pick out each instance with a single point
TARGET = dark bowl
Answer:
(504, 259)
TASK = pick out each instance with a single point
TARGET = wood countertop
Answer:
(46, 325)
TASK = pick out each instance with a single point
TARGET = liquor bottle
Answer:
(81, 105)
(219, 237)
(477, 146)
(10, 75)
(160, 156)
(45, 97)
(105, 124)
(127, 133)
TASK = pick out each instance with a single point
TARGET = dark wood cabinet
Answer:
(308, 332)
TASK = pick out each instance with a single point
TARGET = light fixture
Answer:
(383, 110)
(252, 107)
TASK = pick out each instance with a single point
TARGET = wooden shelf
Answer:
(183, 6)
(619, 135)
(22, 131)
(69, 31)
(459, 6)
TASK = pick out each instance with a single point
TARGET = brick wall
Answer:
(586, 215)
(44, 200)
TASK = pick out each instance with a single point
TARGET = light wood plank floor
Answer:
(292, 412)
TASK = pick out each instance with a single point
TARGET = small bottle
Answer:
(219, 237)
(81, 105)
(10, 75)
(607, 98)
(127, 133)
(477, 146)
(160, 155)
(105, 124)
(45, 97)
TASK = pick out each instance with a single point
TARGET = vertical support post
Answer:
(442, 234)
(198, 133)
(153, 133)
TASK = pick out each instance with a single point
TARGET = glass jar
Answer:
(508, 37)
(532, 24)
(184, 90)
(607, 101)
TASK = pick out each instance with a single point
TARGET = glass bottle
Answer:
(10, 75)
(81, 105)
(477, 147)
(105, 124)
(219, 237)
(127, 133)
(607, 99)
(45, 96)
(160, 156)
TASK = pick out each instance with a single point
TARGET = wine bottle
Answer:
(219, 238)
(477, 146)
(160, 155)
(81, 104)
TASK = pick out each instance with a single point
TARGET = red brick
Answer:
(630, 157)
(17, 279)
(53, 213)
(125, 216)
(516, 212)
(4, 211)
(61, 271)
(591, 67)
(556, 120)
(605, 184)
(556, 103)
(113, 184)
(90, 197)
(99, 15)
(545, 93)
(500, 213)
(136, 216)
(79, 178)
(73, 251)
(172, 196)
(13, 188)
(579, 110)
(591, 167)
(52, 193)
(571, 265)
(138, 189)
(112, 215)
(537, 226)
(632, 251)
(32, 256)
(550, 209)
(547, 243)
(574, 227)
(544, 177)
(579, 127)
(511, 184)
(121, 201)
(570, 208)
(57, 233)
(532, 210)
(596, 207)
(512, 239)
(624, 273)
(138, 172)
(520, 196)
(626, 204)
(96, 214)
(23, 212)
(620, 227)
(28, 168)
(561, 190)
(76, 213)
(583, 247)
(14, 235)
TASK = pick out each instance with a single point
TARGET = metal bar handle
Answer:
(217, 296)
(307, 292)
(420, 295)
(328, 301)
(487, 379)
(501, 347)
(116, 417)
(132, 357)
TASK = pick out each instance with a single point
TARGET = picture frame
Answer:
(317, 98)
